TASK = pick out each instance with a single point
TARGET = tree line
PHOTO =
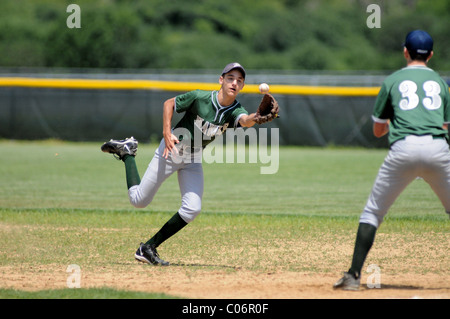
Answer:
(207, 34)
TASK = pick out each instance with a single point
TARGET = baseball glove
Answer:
(267, 109)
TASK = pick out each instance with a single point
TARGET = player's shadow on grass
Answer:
(203, 266)
(182, 265)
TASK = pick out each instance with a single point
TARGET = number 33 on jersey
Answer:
(410, 100)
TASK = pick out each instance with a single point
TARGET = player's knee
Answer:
(137, 199)
(140, 202)
(188, 214)
(138, 205)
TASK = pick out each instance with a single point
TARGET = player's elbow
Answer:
(380, 129)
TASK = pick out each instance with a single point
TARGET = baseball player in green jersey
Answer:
(413, 106)
(207, 114)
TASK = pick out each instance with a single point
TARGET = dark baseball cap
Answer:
(419, 42)
(232, 66)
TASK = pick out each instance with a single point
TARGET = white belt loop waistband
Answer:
(424, 139)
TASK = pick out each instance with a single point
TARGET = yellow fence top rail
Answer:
(114, 84)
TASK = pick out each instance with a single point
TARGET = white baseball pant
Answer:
(412, 157)
(190, 180)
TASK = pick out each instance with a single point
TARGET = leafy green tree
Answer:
(264, 34)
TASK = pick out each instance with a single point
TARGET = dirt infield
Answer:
(411, 265)
(194, 282)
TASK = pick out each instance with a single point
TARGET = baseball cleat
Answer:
(120, 148)
(347, 282)
(148, 254)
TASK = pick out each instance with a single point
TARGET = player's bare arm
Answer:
(267, 111)
(380, 129)
(247, 120)
(169, 138)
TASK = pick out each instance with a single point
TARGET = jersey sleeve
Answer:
(184, 101)
(236, 115)
(383, 110)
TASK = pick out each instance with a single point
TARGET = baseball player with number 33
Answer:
(413, 106)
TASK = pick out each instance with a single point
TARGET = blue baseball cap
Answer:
(419, 42)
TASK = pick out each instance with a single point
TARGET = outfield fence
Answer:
(315, 111)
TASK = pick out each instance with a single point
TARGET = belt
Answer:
(421, 139)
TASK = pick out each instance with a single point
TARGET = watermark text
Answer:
(74, 19)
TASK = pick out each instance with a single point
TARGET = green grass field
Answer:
(66, 203)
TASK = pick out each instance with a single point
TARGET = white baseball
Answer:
(264, 88)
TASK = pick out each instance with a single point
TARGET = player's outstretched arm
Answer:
(247, 120)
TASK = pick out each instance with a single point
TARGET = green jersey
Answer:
(416, 100)
(204, 115)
